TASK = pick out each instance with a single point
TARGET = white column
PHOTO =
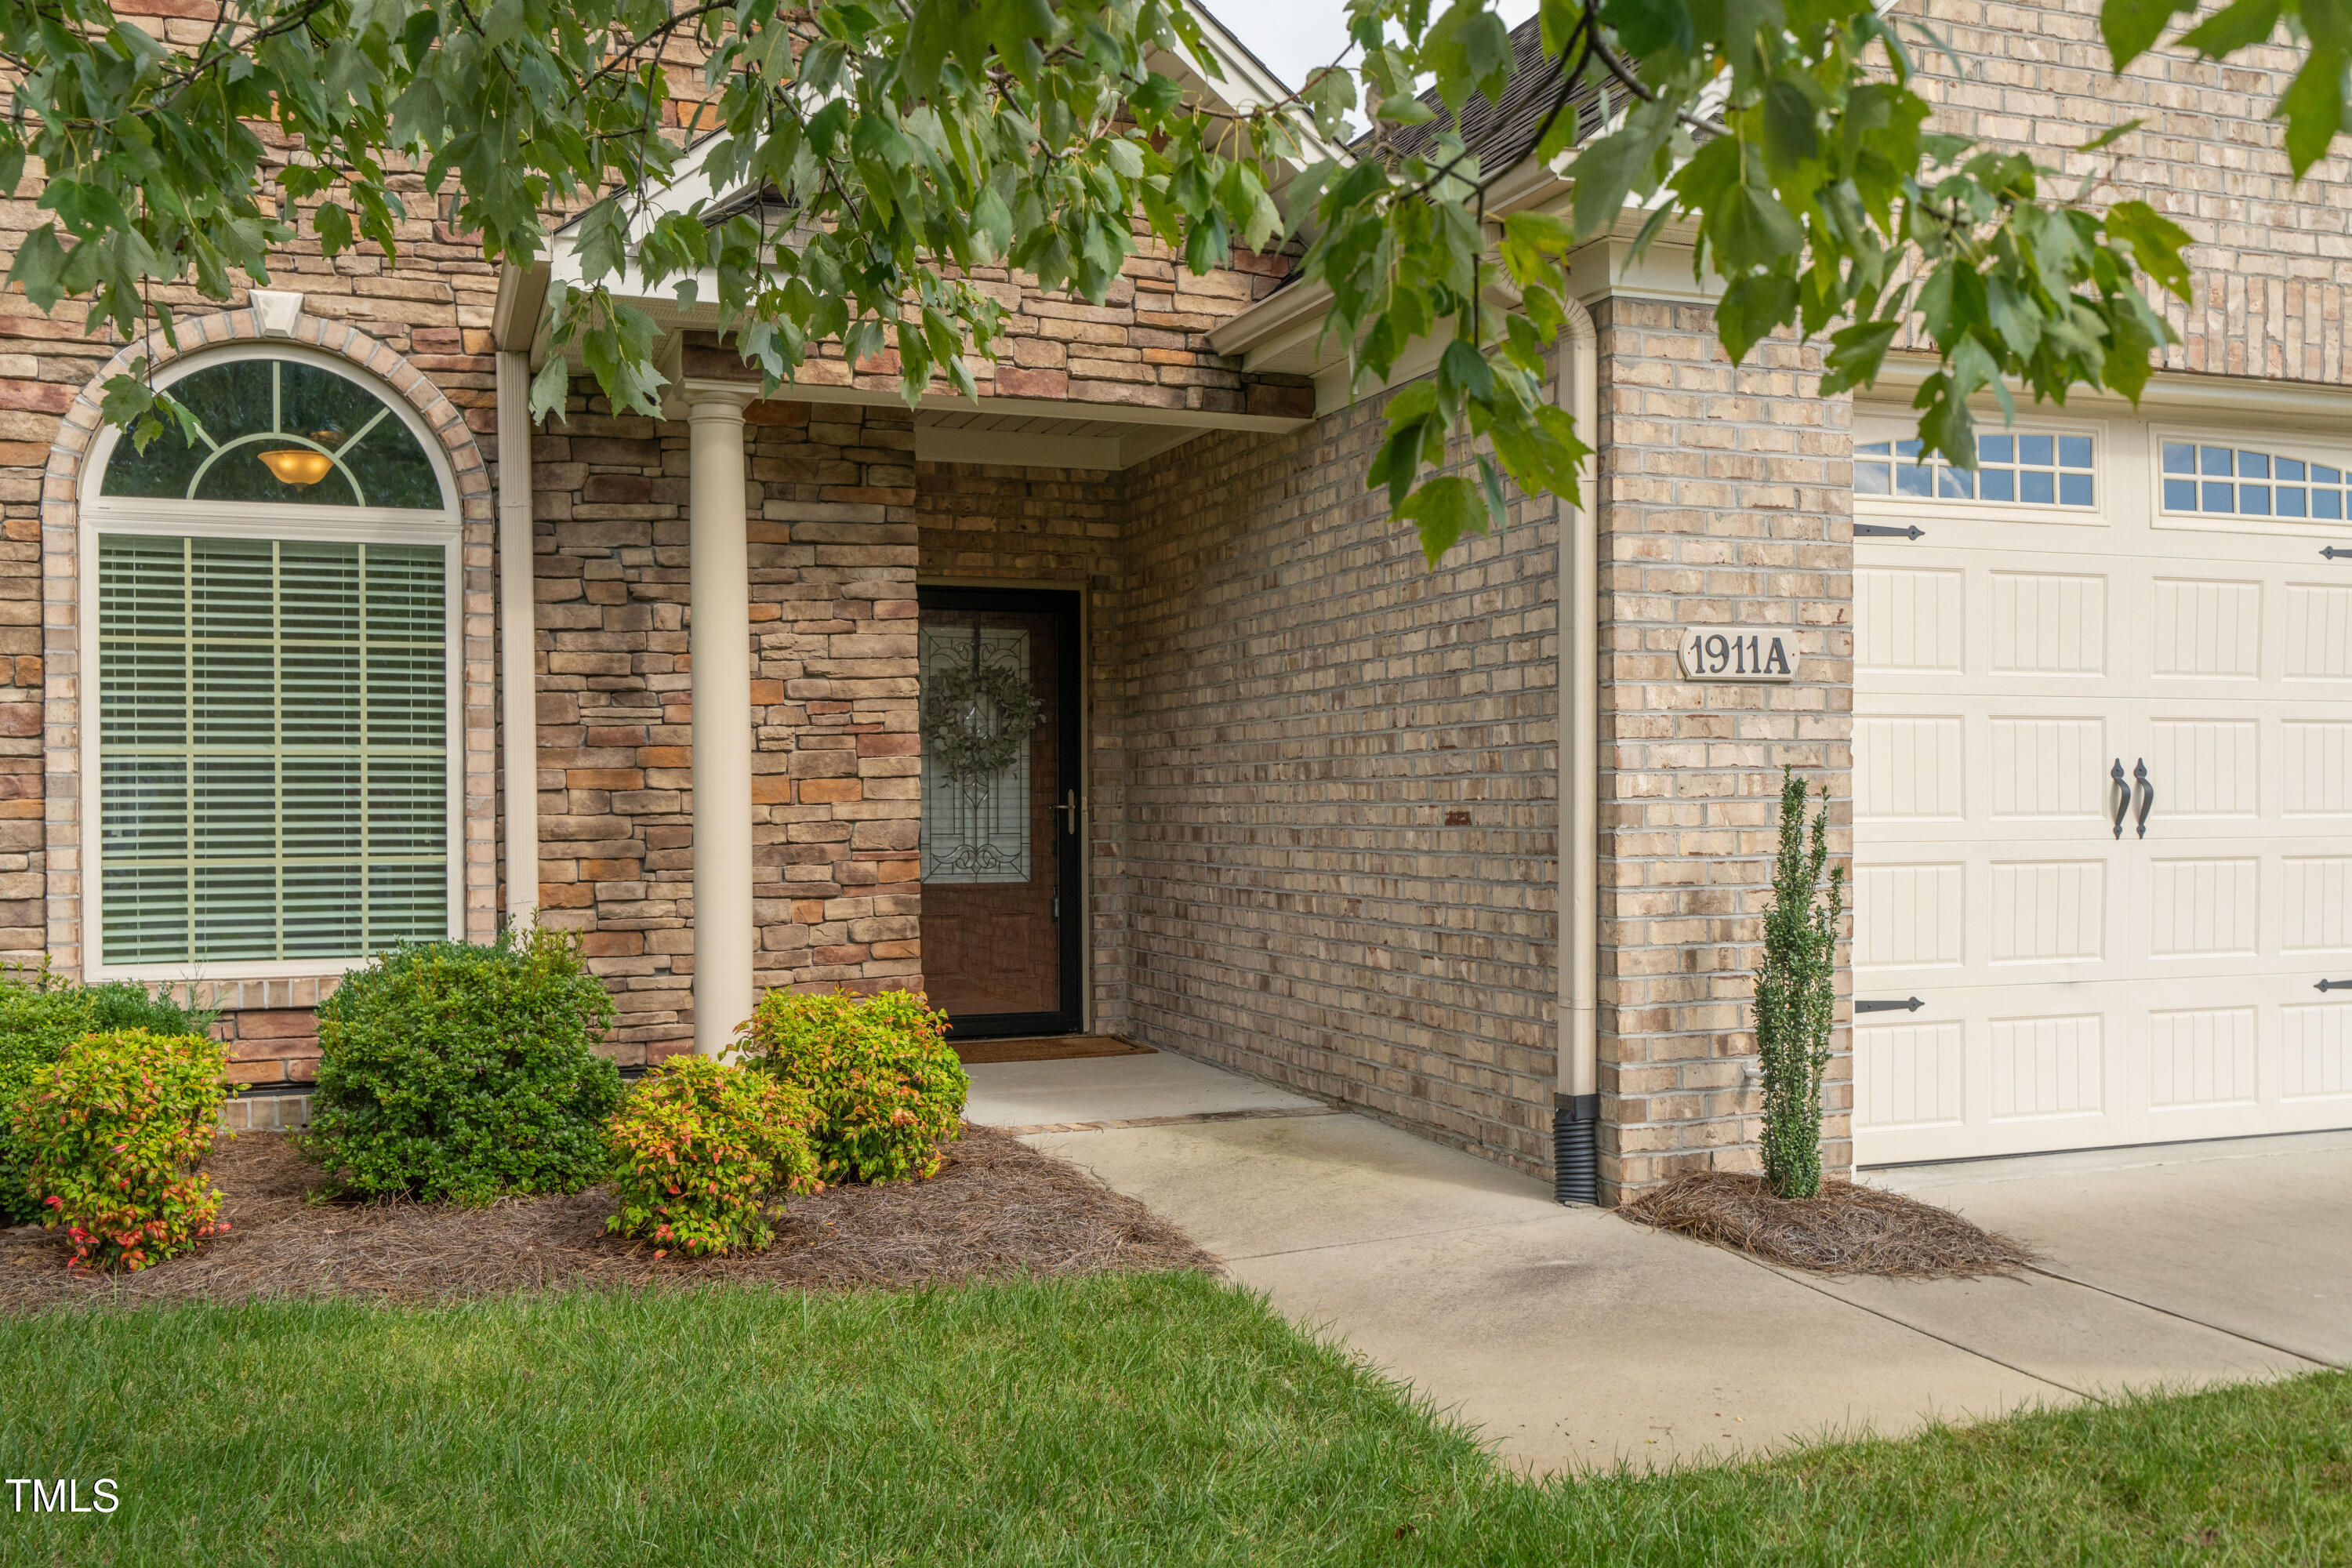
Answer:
(517, 685)
(719, 583)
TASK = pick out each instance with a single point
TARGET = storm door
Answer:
(1003, 909)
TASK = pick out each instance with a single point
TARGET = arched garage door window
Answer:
(269, 606)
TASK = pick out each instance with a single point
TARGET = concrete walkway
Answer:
(1572, 1339)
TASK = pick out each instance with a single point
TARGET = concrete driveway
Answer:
(1573, 1339)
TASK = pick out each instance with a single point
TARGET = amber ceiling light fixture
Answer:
(297, 465)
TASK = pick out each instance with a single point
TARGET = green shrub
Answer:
(887, 1089)
(454, 1070)
(112, 1132)
(706, 1149)
(1796, 993)
(40, 1015)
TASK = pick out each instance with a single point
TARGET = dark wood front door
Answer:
(1002, 901)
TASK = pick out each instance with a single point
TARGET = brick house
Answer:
(1294, 802)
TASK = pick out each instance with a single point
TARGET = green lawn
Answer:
(1149, 1420)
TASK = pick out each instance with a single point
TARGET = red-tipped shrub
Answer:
(112, 1132)
(890, 1091)
(707, 1152)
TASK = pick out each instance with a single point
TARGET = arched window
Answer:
(270, 609)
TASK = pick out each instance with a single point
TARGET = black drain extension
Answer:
(1575, 1147)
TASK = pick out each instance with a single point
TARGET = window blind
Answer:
(273, 749)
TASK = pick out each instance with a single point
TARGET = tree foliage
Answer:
(894, 145)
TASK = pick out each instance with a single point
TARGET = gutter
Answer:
(1576, 1103)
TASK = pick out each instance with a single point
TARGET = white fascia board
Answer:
(2303, 403)
(1247, 83)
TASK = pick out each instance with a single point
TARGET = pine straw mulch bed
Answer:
(1847, 1230)
(997, 1207)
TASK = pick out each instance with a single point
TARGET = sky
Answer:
(1294, 37)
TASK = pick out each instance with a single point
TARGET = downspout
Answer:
(1576, 1106)
(518, 687)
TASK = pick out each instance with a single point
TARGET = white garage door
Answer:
(2100, 960)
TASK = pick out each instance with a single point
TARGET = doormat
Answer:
(1047, 1048)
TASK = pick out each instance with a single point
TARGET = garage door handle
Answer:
(2147, 796)
(1908, 1005)
(2122, 795)
(2333, 985)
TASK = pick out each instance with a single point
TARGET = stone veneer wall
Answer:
(1058, 527)
(831, 503)
(1340, 824)
(1725, 495)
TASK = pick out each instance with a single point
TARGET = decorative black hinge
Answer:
(1908, 1005)
(1888, 530)
(2334, 986)
(2331, 553)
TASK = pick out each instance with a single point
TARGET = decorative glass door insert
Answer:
(976, 824)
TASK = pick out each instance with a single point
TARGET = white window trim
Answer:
(238, 519)
(2278, 443)
(1870, 429)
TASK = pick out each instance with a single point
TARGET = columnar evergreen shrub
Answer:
(40, 1015)
(705, 1150)
(1796, 994)
(112, 1132)
(888, 1091)
(463, 1071)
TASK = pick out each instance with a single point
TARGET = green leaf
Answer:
(550, 387)
(1855, 354)
(1465, 368)
(2156, 243)
(1752, 306)
(1789, 135)
(1609, 170)
(2235, 26)
(604, 243)
(2014, 316)
(39, 267)
(1443, 510)
(1751, 229)
(2111, 135)
(2132, 27)
(2313, 108)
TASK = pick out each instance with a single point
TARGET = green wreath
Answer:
(974, 720)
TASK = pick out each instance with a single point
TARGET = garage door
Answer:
(2103, 790)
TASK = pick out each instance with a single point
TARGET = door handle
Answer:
(2147, 795)
(1070, 807)
(2122, 795)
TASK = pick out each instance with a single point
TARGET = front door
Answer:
(1003, 907)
